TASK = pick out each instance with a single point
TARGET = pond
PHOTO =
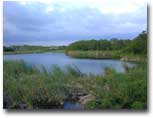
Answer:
(87, 66)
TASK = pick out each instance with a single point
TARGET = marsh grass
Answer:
(114, 54)
(26, 87)
(94, 54)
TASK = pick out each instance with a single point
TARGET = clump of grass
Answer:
(121, 90)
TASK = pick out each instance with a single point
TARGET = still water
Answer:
(48, 60)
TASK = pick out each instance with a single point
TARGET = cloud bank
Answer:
(60, 22)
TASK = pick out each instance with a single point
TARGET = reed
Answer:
(27, 87)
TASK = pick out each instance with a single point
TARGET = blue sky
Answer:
(61, 22)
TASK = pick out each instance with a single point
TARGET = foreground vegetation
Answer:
(31, 49)
(26, 87)
(128, 50)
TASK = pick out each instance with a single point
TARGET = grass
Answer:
(106, 55)
(94, 54)
(25, 86)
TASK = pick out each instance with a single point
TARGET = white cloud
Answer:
(73, 19)
(104, 6)
(23, 2)
(117, 6)
(49, 9)
(118, 9)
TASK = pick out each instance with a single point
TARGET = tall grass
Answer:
(121, 91)
(94, 54)
(114, 54)
(25, 86)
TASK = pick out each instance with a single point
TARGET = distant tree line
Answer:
(31, 48)
(8, 49)
(136, 46)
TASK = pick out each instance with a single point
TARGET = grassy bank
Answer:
(106, 55)
(25, 86)
(94, 54)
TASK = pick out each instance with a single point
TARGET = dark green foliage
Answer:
(139, 45)
(136, 46)
(90, 45)
(119, 44)
(8, 48)
(104, 45)
(137, 105)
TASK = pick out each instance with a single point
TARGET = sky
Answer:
(61, 22)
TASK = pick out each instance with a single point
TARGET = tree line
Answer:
(138, 45)
(31, 48)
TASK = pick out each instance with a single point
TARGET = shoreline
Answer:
(100, 55)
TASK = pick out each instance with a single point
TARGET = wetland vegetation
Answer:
(26, 87)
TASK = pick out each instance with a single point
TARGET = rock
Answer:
(23, 106)
(84, 99)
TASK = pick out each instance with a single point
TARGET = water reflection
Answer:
(87, 66)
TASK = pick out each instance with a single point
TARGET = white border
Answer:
(39, 114)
